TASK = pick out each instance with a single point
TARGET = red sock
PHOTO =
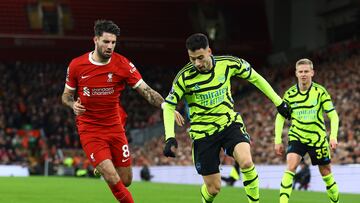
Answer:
(121, 193)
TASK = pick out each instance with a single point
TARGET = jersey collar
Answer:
(97, 63)
(307, 91)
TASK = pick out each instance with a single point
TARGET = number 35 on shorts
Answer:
(322, 152)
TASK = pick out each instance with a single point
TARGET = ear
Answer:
(95, 39)
(210, 51)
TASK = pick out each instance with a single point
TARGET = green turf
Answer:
(85, 190)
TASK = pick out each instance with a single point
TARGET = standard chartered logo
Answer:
(212, 97)
(86, 91)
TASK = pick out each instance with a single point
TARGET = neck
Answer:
(95, 56)
(304, 86)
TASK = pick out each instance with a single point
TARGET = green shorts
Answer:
(206, 150)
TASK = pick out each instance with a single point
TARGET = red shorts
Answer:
(101, 146)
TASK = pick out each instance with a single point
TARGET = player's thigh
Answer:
(242, 155)
(232, 136)
(120, 151)
(125, 174)
(295, 152)
(206, 155)
(320, 155)
(97, 150)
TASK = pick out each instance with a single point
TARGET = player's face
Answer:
(201, 59)
(105, 45)
(304, 73)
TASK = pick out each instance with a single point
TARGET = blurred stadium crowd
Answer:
(35, 126)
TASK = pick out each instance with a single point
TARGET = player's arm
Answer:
(155, 99)
(169, 107)
(334, 127)
(329, 108)
(257, 80)
(67, 99)
(279, 125)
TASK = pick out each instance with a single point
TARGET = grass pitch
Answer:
(88, 190)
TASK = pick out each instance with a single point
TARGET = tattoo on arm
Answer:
(152, 96)
(68, 99)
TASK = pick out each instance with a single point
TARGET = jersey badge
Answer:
(221, 78)
(110, 76)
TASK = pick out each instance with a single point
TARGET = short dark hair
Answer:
(197, 41)
(108, 26)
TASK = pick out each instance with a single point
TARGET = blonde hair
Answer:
(304, 61)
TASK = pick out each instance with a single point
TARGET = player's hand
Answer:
(179, 119)
(279, 149)
(285, 110)
(78, 108)
(170, 144)
(333, 143)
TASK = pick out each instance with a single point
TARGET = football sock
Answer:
(206, 197)
(251, 184)
(286, 186)
(331, 188)
(121, 193)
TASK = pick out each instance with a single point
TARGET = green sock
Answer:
(286, 186)
(332, 188)
(206, 197)
(251, 184)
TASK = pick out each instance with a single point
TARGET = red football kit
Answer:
(99, 86)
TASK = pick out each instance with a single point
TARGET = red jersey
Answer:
(99, 87)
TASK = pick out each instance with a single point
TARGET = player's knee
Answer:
(214, 189)
(127, 180)
(246, 164)
(111, 177)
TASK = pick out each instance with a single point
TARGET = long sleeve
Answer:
(334, 124)
(279, 125)
(169, 120)
(257, 80)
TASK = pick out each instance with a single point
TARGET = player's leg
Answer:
(125, 174)
(99, 154)
(121, 159)
(237, 144)
(211, 187)
(242, 155)
(321, 156)
(109, 173)
(292, 161)
(206, 159)
(332, 188)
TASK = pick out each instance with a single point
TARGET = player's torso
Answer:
(209, 99)
(99, 87)
(307, 123)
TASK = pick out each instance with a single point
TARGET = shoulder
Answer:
(319, 87)
(185, 70)
(229, 59)
(292, 90)
(80, 60)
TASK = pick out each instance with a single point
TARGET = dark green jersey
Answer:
(208, 95)
(307, 121)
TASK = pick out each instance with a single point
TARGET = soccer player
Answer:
(98, 77)
(307, 133)
(204, 83)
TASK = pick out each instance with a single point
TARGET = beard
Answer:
(103, 55)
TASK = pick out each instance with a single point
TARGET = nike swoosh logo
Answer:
(124, 160)
(86, 76)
